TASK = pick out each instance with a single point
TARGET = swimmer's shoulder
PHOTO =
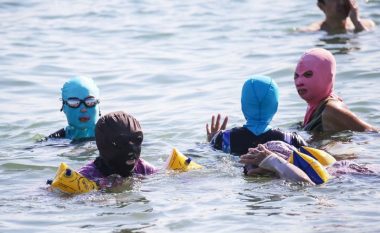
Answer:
(61, 133)
(337, 117)
(314, 27)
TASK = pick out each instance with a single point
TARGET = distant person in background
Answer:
(80, 103)
(314, 79)
(340, 16)
(118, 137)
(259, 103)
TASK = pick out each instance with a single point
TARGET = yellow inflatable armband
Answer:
(178, 161)
(323, 157)
(313, 169)
(70, 181)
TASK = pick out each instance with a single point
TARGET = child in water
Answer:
(80, 103)
(314, 79)
(272, 157)
(118, 137)
(259, 103)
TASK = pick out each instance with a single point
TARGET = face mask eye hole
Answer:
(296, 75)
(138, 140)
(308, 74)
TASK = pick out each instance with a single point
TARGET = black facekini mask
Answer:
(119, 147)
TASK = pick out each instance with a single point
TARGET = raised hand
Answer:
(215, 126)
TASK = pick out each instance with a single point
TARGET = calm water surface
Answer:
(172, 64)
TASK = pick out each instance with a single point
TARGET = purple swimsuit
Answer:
(92, 173)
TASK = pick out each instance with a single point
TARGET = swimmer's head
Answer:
(338, 9)
(259, 103)
(119, 137)
(80, 98)
(315, 75)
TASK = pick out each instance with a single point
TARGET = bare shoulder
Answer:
(316, 26)
(337, 117)
(336, 104)
(335, 109)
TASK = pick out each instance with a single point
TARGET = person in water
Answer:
(340, 16)
(272, 158)
(118, 138)
(259, 103)
(314, 79)
(80, 103)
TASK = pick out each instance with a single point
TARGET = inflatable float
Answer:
(179, 162)
(69, 181)
(323, 157)
(312, 161)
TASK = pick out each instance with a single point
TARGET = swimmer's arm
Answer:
(337, 117)
(363, 25)
(284, 169)
(360, 24)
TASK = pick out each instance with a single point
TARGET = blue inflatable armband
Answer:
(313, 169)
(323, 157)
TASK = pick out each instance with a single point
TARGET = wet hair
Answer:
(345, 7)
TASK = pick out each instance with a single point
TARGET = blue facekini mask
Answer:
(259, 103)
(82, 119)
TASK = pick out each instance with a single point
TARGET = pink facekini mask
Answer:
(314, 78)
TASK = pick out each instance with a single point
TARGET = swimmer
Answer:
(80, 103)
(272, 158)
(259, 103)
(118, 137)
(340, 16)
(314, 79)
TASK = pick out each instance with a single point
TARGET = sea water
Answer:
(172, 64)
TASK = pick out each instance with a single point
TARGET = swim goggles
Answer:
(74, 102)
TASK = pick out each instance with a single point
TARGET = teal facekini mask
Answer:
(259, 103)
(80, 105)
